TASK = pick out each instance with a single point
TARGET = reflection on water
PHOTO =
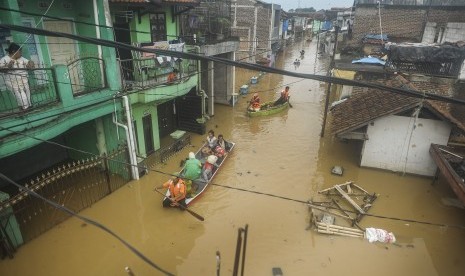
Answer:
(283, 155)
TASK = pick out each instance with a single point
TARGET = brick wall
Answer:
(403, 22)
(245, 21)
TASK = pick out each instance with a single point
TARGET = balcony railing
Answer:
(148, 72)
(26, 88)
(87, 75)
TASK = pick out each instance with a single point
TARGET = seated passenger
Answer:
(254, 103)
(223, 143)
(211, 139)
(219, 151)
(207, 170)
(192, 171)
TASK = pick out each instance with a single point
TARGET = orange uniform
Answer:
(178, 190)
(255, 102)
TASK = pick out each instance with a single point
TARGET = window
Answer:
(158, 26)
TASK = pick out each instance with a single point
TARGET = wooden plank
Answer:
(330, 226)
(342, 210)
(347, 197)
(326, 211)
(338, 231)
(340, 234)
(331, 188)
(355, 185)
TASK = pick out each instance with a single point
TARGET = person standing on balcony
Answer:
(16, 80)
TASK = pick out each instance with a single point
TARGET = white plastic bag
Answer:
(374, 234)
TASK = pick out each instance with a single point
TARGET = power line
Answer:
(246, 190)
(87, 220)
(113, 44)
(334, 208)
(105, 98)
(71, 20)
(109, 27)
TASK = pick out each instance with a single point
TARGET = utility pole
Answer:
(328, 90)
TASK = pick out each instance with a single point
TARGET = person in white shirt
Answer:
(211, 139)
(16, 80)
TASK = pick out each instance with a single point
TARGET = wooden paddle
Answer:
(290, 105)
(197, 216)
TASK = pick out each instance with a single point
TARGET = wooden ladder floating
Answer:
(348, 191)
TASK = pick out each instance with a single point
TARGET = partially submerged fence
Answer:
(163, 154)
(75, 185)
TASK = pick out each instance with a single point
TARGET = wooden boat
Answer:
(201, 186)
(267, 108)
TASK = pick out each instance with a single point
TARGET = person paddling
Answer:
(254, 103)
(284, 97)
(177, 189)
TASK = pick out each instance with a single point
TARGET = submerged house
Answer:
(395, 131)
(208, 27)
(257, 24)
(68, 133)
(161, 110)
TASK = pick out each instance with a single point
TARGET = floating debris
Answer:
(337, 170)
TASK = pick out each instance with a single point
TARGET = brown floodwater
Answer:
(282, 155)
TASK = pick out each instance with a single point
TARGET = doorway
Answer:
(148, 133)
(166, 118)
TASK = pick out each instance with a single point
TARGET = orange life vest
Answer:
(255, 101)
(179, 188)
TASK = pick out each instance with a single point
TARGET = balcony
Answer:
(145, 73)
(87, 75)
(38, 87)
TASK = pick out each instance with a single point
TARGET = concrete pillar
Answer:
(100, 133)
(112, 70)
(63, 84)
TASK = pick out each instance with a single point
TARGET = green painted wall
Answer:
(144, 26)
(171, 27)
(82, 137)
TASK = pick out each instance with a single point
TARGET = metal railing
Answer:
(87, 74)
(165, 153)
(148, 72)
(21, 88)
(75, 185)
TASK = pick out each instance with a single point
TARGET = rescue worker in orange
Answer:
(177, 188)
(284, 97)
(254, 103)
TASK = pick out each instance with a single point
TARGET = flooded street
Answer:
(282, 155)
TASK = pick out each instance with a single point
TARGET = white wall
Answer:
(430, 32)
(393, 144)
(454, 32)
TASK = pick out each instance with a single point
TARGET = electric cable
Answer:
(242, 189)
(335, 208)
(89, 221)
(333, 80)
